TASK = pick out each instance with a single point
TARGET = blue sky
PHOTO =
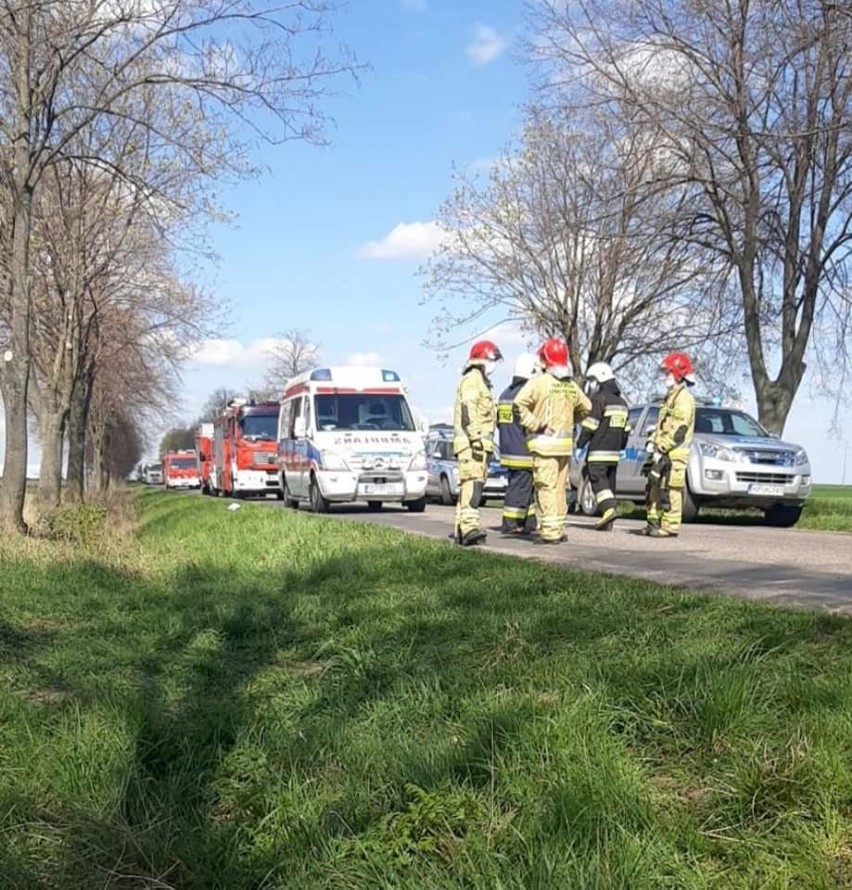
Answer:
(330, 238)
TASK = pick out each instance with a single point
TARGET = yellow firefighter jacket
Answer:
(475, 416)
(548, 410)
(676, 424)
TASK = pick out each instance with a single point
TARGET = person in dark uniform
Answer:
(519, 503)
(605, 431)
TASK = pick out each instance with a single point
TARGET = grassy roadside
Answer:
(266, 699)
(829, 508)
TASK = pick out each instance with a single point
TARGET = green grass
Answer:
(829, 508)
(263, 699)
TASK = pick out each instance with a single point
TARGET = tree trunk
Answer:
(52, 438)
(16, 371)
(78, 421)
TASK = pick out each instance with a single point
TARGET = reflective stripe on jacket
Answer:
(474, 417)
(676, 424)
(605, 430)
(547, 408)
(514, 453)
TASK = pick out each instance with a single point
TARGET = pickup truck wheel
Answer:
(447, 498)
(417, 506)
(690, 507)
(587, 501)
(318, 503)
(783, 515)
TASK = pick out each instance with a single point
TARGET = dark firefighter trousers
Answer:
(602, 480)
(519, 503)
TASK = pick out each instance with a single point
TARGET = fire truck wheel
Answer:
(318, 503)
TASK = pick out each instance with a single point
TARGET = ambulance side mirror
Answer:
(300, 428)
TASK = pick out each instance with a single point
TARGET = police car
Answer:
(442, 468)
(733, 463)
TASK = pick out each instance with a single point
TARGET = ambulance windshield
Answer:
(363, 411)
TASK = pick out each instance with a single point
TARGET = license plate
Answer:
(382, 488)
(776, 491)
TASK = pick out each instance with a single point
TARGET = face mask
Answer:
(490, 365)
(668, 380)
(592, 386)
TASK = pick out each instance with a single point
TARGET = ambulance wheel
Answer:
(374, 506)
(587, 501)
(417, 506)
(447, 498)
(289, 500)
(318, 503)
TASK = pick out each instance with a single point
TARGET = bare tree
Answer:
(293, 353)
(73, 68)
(570, 236)
(752, 102)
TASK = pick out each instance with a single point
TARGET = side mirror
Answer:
(300, 428)
(774, 435)
(436, 454)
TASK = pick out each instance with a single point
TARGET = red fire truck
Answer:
(204, 450)
(180, 469)
(245, 449)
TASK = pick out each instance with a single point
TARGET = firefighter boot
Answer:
(657, 532)
(606, 522)
(473, 537)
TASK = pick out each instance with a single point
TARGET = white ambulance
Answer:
(347, 434)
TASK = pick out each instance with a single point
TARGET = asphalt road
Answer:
(789, 567)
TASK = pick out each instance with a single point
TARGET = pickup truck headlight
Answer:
(801, 457)
(331, 460)
(718, 452)
(418, 462)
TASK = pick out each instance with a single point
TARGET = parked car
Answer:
(733, 463)
(442, 476)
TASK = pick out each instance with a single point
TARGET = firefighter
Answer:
(547, 406)
(474, 424)
(668, 448)
(605, 431)
(519, 503)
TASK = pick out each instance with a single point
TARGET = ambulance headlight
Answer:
(418, 462)
(331, 460)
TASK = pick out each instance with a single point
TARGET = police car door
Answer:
(630, 479)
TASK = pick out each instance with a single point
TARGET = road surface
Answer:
(789, 567)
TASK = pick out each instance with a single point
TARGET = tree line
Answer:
(683, 180)
(117, 120)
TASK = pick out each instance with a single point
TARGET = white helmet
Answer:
(526, 366)
(601, 372)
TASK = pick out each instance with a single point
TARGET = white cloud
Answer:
(224, 351)
(405, 241)
(486, 46)
(416, 5)
(364, 359)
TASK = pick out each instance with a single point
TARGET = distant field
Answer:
(272, 700)
(832, 491)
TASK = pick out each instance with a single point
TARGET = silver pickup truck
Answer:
(733, 463)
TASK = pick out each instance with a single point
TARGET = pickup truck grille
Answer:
(768, 458)
(767, 478)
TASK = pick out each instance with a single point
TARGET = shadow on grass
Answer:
(252, 726)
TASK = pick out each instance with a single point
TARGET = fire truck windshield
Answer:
(362, 411)
(183, 463)
(260, 426)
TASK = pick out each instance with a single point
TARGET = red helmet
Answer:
(553, 353)
(679, 365)
(484, 351)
